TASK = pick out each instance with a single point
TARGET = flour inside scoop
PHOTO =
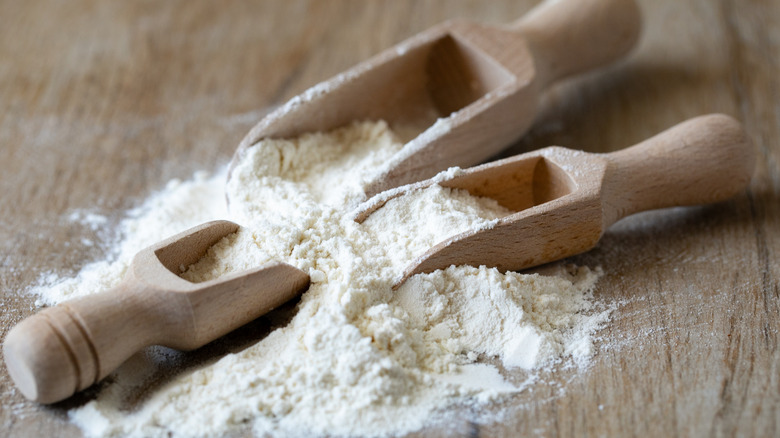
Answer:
(357, 357)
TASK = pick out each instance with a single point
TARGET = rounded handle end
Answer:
(43, 362)
(573, 36)
(702, 160)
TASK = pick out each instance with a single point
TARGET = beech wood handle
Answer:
(573, 36)
(705, 159)
(66, 348)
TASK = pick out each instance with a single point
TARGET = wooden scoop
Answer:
(566, 199)
(481, 82)
(67, 348)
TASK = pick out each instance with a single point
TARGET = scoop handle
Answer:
(66, 348)
(573, 36)
(703, 160)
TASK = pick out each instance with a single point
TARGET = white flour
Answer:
(180, 205)
(357, 358)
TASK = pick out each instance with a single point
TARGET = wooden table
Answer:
(103, 102)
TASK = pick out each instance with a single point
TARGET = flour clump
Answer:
(357, 357)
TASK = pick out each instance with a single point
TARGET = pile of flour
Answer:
(358, 358)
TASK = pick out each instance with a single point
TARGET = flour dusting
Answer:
(357, 358)
(180, 205)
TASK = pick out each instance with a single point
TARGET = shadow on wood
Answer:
(163, 364)
(574, 114)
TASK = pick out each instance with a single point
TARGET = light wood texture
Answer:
(565, 199)
(71, 346)
(102, 103)
(484, 81)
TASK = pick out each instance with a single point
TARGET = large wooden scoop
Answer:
(481, 82)
(66, 348)
(565, 199)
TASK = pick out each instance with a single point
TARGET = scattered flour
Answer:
(179, 206)
(357, 358)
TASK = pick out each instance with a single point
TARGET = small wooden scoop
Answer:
(566, 199)
(483, 82)
(66, 348)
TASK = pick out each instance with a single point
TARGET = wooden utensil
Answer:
(482, 82)
(565, 199)
(66, 348)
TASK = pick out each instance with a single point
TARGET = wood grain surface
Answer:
(103, 102)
